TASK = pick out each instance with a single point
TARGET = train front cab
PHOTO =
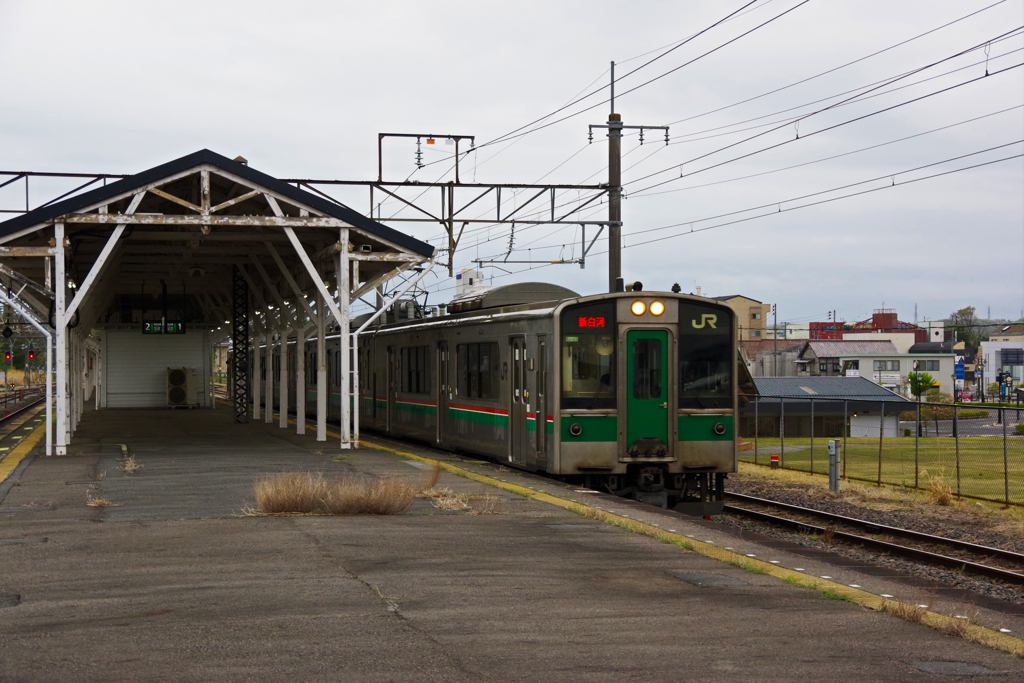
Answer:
(647, 394)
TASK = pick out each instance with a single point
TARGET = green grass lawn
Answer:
(980, 461)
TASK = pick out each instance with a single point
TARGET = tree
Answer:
(963, 322)
(920, 384)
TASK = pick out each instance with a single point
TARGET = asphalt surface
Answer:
(175, 584)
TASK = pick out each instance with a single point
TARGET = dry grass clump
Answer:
(311, 493)
(828, 534)
(446, 499)
(129, 465)
(959, 625)
(450, 501)
(98, 502)
(940, 490)
(914, 613)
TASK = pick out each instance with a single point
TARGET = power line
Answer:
(834, 156)
(778, 203)
(517, 134)
(786, 142)
(605, 87)
(841, 66)
(824, 201)
(678, 138)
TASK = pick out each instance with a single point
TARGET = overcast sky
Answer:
(302, 89)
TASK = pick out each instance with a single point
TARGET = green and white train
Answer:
(630, 392)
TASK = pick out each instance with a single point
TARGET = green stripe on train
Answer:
(479, 417)
(594, 428)
(702, 428)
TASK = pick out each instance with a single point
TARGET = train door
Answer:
(518, 437)
(391, 386)
(647, 399)
(442, 391)
(540, 399)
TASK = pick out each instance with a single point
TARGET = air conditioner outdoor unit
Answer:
(179, 387)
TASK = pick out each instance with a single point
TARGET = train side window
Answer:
(414, 360)
(477, 370)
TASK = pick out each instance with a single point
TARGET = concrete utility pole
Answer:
(615, 129)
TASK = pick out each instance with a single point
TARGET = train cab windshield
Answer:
(588, 356)
(706, 357)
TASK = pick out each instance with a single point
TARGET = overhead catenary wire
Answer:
(501, 236)
(775, 213)
(802, 137)
(518, 133)
(779, 203)
(679, 139)
(837, 68)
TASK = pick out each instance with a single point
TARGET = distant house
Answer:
(839, 358)
(751, 314)
(837, 405)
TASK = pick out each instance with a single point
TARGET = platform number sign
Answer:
(161, 327)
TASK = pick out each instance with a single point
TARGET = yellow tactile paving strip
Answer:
(15, 457)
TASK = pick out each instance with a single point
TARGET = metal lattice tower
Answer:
(240, 344)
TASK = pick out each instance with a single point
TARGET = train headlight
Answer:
(638, 307)
(575, 429)
(657, 308)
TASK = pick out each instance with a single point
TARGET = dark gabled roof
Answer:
(205, 156)
(841, 388)
(932, 347)
(732, 296)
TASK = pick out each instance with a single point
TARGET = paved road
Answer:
(174, 585)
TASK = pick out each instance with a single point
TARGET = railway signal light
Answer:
(7, 356)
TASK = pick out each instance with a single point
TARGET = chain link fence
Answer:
(971, 452)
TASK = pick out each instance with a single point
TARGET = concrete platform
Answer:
(173, 584)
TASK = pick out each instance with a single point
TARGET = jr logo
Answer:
(705, 319)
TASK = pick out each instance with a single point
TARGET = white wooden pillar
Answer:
(344, 338)
(321, 371)
(356, 399)
(61, 354)
(300, 379)
(283, 382)
(269, 360)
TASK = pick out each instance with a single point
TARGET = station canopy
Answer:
(183, 225)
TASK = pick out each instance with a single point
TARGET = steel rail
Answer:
(893, 548)
(19, 411)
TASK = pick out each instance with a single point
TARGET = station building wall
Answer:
(135, 371)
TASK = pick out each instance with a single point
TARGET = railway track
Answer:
(867, 534)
